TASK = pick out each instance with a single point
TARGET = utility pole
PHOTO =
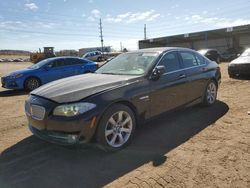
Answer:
(101, 36)
(121, 46)
(145, 32)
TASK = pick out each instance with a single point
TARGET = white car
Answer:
(241, 65)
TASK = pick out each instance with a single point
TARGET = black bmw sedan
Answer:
(106, 106)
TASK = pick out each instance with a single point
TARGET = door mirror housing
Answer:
(48, 66)
(157, 72)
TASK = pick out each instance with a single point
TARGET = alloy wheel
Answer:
(33, 83)
(211, 93)
(118, 129)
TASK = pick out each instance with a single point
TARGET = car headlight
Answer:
(73, 109)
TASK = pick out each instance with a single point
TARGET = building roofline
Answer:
(198, 33)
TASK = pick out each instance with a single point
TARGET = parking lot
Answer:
(193, 147)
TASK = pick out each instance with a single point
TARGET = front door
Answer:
(169, 91)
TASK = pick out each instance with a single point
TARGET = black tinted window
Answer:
(189, 59)
(68, 62)
(170, 61)
(77, 61)
(58, 63)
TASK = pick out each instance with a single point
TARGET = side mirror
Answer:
(238, 55)
(48, 66)
(157, 72)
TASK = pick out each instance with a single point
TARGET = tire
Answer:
(210, 94)
(111, 134)
(32, 83)
(99, 59)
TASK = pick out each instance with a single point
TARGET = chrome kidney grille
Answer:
(35, 111)
(27, 108)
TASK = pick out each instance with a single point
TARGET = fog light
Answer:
(73, 137)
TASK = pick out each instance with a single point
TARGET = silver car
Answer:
(93, 56)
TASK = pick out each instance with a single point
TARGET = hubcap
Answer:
(33, 84)
(211, 93)
(118, 129)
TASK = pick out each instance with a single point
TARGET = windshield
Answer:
(40, 64)
(246, 53)
(202, 52)
(129, 64)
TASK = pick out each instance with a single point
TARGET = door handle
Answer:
(182, 76)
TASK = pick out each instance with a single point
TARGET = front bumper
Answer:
(55, 137)
(10, 83)
(59, 130)
(239, 69)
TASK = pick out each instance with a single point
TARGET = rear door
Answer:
(169, 91)
(78, 66)
(70, 67)
(195, 70)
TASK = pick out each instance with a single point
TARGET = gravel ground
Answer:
(193, 147)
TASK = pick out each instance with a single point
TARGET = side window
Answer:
(51, 64)
(77, 62)
(68, 62)
(200, 60)
(170, 61)
(59, 63)
(188, 59)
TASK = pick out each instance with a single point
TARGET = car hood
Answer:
(78, 87)
(21, 71)
(241, 60)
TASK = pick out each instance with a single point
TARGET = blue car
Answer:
(46, 71)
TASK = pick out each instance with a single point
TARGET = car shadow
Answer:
(241, 77)
(36, 163)
(9, 93)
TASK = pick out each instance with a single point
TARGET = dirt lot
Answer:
(193, 147)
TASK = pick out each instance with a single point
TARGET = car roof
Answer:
(64, 57)
(160, 49)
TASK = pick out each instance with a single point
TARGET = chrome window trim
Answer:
(183, 69)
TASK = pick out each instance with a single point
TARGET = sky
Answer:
(74, 24)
